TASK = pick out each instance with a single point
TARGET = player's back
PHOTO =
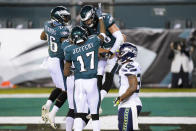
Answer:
(84, 57)
(130, 68)
(54, 34)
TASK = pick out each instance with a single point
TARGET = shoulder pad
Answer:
(129, 67)
(92, 36)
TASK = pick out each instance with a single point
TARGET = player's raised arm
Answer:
(115, 31)
(102, 34)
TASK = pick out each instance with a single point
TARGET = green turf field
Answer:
(152, 106)
(178, 106)
(37, 90)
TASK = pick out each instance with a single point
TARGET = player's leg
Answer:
(50, 64)
(175, 78)
(128, 118)
(93, 98)
(70, 119)
(100, 73)
(70, 114)
(185, 79)
(109, 75)
(80, 104)
(60, 82)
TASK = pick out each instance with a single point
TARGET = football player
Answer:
(55, 31)
(84, 55)
(89, 20)
(129, 104)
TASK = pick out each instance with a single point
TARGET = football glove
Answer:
(116, 101)
(99, 13)
(106, 55)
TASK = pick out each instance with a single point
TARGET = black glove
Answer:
(106, 55)
(116, 101)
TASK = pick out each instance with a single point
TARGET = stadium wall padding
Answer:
(22, 54)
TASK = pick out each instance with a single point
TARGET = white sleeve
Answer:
(119, 40)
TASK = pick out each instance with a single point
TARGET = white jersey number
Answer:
(52, 44)
(82, 65)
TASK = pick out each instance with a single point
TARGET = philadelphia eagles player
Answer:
(89, 20)
(84, 55)
(55, 31)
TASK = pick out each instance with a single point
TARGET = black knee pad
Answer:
(95, 116)
(82, 116)
(108, 81)
(54, 94)
(61, 99)
(70, 113)
(99, 81)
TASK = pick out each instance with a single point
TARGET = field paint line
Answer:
(169, 94)
(167, 120)
(24, 95)
(146, 94)
(105, 121)
(61, 119)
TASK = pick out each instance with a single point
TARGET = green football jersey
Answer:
(84, 57)
(95, 30)
(54, 34)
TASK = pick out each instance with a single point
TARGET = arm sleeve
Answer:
(119, 40)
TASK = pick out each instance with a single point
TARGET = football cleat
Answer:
(51, 119)
(45, 112)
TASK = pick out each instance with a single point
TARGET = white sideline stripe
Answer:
(154, 94)
(105, 121)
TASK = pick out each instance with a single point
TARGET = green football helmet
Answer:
(78, 35)
(61, 15)
(88, 16)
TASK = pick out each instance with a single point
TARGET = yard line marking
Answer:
(142, 94)
(105, 121)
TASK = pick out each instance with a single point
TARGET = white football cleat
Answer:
(45, 112)
(51, 119)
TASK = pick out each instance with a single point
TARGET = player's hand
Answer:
(116, 101)
(99, 13)
(109, 55)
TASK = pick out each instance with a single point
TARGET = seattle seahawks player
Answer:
(84, 55)
(129, 104)
(55, 31)
(111, 44)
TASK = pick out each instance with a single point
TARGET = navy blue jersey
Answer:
(84, 57)
(54, 34)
